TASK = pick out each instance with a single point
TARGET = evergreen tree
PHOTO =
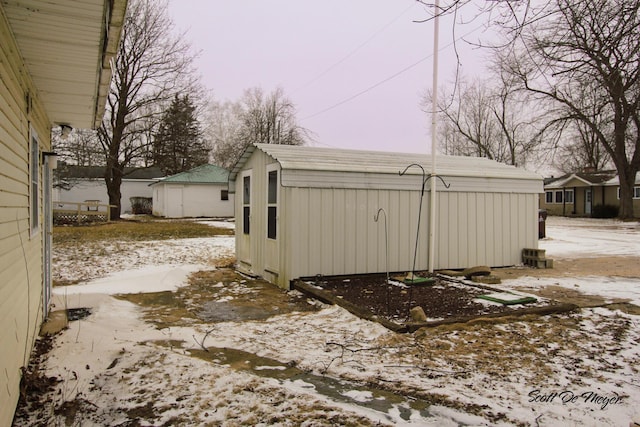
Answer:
(179, 145)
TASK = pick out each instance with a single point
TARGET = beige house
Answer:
(54, 70)
(577, 194)
(303, 211)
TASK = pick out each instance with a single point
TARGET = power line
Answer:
(393, 76)
(356, 49)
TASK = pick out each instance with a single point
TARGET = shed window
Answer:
(224, 194)
(272, 205)
(549, 196)
(246, 204)
(34, 177)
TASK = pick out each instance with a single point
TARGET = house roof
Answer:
(336, 168)
(587, 178)
(616, 180)
(204, 174)
(95, 172)
(67, 47)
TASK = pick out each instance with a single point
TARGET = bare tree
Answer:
(256, 118)
(482, 120)
(579, 147)
(151, 66)
(80, 147)
(224, 130)
(565, 48)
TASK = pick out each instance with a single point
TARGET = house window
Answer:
(224, 194)
(34, 177)
(558, 196)
(246, 204)
(568, 196)
(272, 204)
(548, 197)
(565, 196)
(636, 193)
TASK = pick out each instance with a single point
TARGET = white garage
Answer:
(199, 192)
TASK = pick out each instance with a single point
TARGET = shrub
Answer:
(604, 211)
(141, 205)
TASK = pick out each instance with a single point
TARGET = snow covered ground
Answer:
(578, 369)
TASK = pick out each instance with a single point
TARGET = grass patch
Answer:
(137, 231)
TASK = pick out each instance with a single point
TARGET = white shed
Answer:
(303, 211)
(199, 192)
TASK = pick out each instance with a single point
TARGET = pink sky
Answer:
(324, 53)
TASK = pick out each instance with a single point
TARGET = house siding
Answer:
(21, 252)
(96, 189)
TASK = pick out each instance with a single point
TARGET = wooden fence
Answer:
(81, 212)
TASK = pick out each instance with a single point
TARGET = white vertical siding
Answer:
(158, 208)
(204, 200)
(333, 231)
(484, 228)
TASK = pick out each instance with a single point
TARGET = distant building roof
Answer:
(588, 178)
(95, 172)
(204, 174)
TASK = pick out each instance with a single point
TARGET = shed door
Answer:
(245, 251)
(272, 242)
(174, 202)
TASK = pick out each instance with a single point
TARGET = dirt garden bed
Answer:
(447, 300)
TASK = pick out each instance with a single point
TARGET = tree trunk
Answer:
(114, 181)
(627, 179)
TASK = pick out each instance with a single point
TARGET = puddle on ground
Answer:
(232, 311)
(77, 313)
(389, 405)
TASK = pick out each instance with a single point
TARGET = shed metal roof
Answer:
(204, 174)
(382, 162)
(314, 167)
